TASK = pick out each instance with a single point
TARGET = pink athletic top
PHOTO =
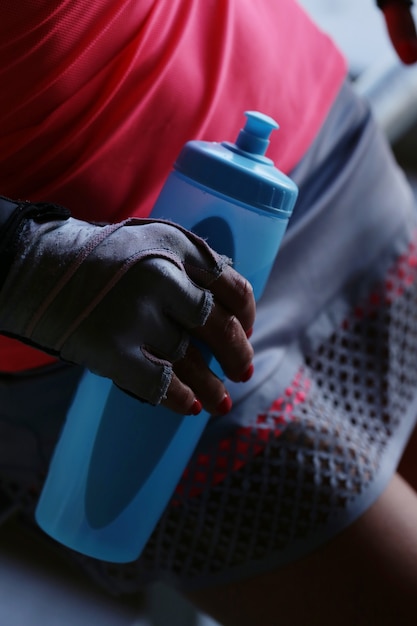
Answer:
(98, 97)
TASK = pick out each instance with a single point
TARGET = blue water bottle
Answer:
(118, 460)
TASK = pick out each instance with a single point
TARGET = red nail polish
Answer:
(225, 405)
(248, 374)
(197, 407)
(249, 333)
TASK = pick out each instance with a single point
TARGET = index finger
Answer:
(235, 294)
(401, 28)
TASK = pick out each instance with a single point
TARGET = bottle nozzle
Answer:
(254, 137)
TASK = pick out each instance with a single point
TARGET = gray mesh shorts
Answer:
(317, 433)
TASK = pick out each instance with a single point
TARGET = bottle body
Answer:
(114, 469)
(118, 460)
(249, 237)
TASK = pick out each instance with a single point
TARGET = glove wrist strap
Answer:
(12, 216)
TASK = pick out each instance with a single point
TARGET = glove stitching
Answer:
(166, 374)
(91, 245)
(213, 273)
(127, 264)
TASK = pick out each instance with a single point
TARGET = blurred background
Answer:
(36, 587)
(391, 88)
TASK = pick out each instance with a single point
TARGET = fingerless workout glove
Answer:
(118, 299)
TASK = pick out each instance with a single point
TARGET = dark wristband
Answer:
(383, 3)
(12, 216)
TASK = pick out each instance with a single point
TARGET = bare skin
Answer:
(366, 576)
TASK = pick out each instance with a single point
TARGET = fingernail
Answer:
(196, 407)
(225, 405)
(248, 374)
(249, 333)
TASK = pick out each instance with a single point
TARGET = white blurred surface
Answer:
(36, 589)
(357, 26)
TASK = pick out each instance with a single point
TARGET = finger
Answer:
(193, 371)
(235, 294)
(226, 338)
(181, 397)
(401, 28)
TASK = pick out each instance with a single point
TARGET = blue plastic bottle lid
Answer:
(240, 170)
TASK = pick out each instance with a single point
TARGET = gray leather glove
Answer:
(118, 299)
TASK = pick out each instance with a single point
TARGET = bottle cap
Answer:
(254, 137)
(240, 170)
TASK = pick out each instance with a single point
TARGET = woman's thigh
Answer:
(367, 575)
(408, 464)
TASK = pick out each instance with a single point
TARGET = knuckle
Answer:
(184, 395)
(160, 273)
(179, 393)
(246, 290)
(242, 288)
(232, 330)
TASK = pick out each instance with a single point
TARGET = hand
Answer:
(224, 333)
(401, 28)
(123, 300)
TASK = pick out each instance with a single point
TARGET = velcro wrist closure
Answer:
(12, 216)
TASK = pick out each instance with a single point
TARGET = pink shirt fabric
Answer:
(99, 97)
